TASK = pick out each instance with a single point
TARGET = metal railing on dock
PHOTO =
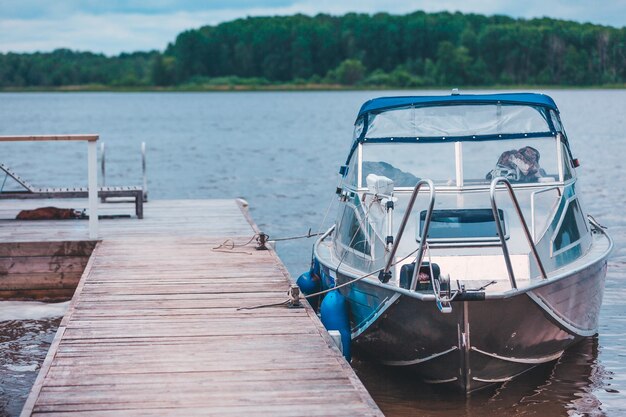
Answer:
(92, 172)
(143, 169)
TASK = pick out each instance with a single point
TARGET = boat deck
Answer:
(155, 325)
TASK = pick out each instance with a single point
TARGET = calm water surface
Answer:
(281, 151)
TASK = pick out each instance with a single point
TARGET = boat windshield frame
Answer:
(565, 170)
(549, 115)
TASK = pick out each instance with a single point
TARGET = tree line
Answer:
(63, 67)
(414, 50)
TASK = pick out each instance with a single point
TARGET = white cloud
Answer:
(113, 29)
(112, 33)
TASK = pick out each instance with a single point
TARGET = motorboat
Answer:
(461, 245)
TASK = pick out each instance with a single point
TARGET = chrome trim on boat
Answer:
(424, 242)
(505, 249)
(405, 219)
(365, 324)
(505, 379)
(506, 294)
(488, 296)
(493, 380)
(420, 360)
(567, 325)
(440, 381)
(466, 346)
(359, 175)
(542, 359)
(559, 156)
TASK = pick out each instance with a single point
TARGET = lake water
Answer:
(281, 152)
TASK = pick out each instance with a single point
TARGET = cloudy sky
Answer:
(114, 26)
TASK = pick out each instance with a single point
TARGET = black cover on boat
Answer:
(406, 272)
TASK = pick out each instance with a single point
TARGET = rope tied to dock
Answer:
(336, 287)
(292, 302)
(282, 303)
(229, 245)
(307, 236)
(288, 301)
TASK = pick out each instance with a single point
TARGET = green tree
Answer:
(452, 64)
(382, 49)
(162, 71)
(349, 72)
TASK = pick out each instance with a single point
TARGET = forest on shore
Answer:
(354, 50)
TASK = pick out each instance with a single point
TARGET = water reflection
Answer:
(566, 387)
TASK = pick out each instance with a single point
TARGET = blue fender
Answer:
(334, 314)
(310, 283)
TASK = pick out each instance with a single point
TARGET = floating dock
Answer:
(156, 325)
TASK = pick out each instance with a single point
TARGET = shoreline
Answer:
(292, 87)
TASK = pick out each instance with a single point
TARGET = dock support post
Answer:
(103, 165)
(92, 175)
(143, 171)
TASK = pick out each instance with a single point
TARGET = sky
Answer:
(114, 26)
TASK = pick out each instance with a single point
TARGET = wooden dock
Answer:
(155, 326)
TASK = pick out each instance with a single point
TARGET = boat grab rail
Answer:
(505, 249)
(385, 274)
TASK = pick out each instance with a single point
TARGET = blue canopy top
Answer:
(531, 99)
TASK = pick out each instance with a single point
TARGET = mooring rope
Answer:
(352, 281)
(332, 200)
(229, 245)
(336, 287)
(286, 302)
(308, 235)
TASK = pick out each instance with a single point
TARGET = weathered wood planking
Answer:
(155, 328)
(26, 273)
(175, 218)
(42, 270)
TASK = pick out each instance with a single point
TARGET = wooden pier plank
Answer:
(177, 219)
(161, 324)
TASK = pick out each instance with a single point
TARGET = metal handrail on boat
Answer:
(505, 249)
(420, 253)
(494, 207)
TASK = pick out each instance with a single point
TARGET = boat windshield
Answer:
(462, 144)
(456, 120)
(466, 163)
